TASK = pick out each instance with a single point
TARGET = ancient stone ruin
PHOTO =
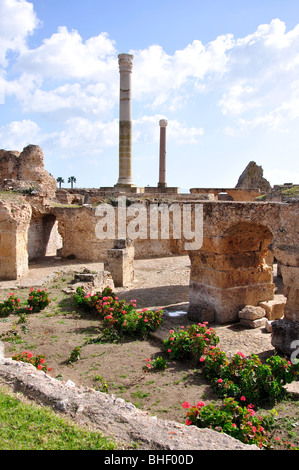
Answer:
(244, 231)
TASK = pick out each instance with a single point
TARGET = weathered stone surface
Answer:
(249, 312)
(14, 223)
(252, 178)
(26, 170)
(120, 262)
(86, 276)
(259, 323)
(274, 308)
(290, 275)
(285, 334)
(226, 302)
(232, 278)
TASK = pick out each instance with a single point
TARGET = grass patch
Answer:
(27, 426)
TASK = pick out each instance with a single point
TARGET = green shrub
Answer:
(10, 305)
(242, 423)
(192, 342)
(248, 379)
(155, 364)
(119, 314)
(38, 299)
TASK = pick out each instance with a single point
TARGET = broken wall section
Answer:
(14, 223)
(25, 171)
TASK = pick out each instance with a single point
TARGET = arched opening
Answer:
(230, 272)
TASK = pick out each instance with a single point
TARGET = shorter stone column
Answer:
(120, 262)
(162, 170)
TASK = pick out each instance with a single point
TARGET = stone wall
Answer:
(229, 271)
(235, 194)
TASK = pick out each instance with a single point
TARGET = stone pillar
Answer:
(162, 170)
(125, 121)
(120, 262)
(229, 271)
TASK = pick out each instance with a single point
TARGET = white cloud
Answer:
(147, 130)
(261, 82)
(66, 56)
(281, 175)
(74, 84)
(162, 79)
(183, 134)
(17, 21)
(17, 134)
(87, 136)
(92, 98)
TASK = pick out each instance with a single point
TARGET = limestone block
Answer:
(229, 245)
(243, 260)
(226, 302)
(97, 279)
(250, 312)
(258, 323)
(290, 275)
(287, 255)
(291, 310)
(274, 308)
(232, 278)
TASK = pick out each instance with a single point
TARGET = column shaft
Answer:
(162, 169)
(125, 120)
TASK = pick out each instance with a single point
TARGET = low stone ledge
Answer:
(113, 416)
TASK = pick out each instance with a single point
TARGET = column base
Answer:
(123, 184)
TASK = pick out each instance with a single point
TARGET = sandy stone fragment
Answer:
(258, 323)
(250, 312)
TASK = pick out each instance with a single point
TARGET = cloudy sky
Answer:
(225, 73)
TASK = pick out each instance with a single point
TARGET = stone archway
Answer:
(229, 272)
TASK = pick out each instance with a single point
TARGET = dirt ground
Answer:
(118, 368)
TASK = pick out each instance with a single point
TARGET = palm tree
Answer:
(72, 180)
(60, 180)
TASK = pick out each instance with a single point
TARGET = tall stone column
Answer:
(125, 62)
(162, 170)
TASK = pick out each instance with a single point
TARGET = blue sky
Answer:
(225, 74)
